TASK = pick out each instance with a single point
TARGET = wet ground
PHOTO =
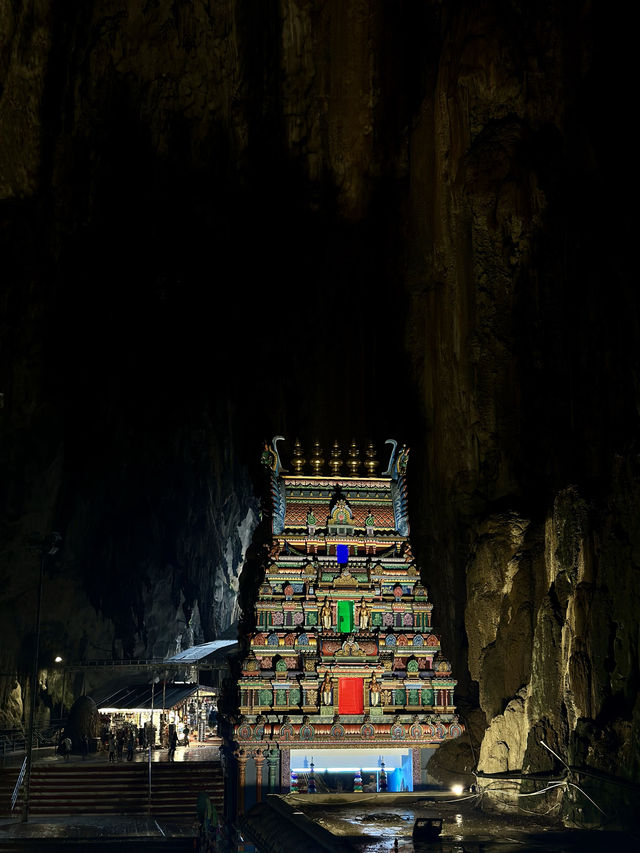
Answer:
(197, 751)
(466, 829)
(370, 823)
(87, 830)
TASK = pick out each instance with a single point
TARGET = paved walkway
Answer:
(94, 826)
(46, 755)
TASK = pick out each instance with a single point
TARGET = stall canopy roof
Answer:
(216, 648)
(138, 697)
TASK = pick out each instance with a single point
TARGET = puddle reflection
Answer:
(464, 830)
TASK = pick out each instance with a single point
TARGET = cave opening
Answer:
(220, 224)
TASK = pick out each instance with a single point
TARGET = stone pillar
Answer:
(241, 758)
(383, 778)
(227, 775)
(285, 771)
(259, 760)
(273, 760)
(417, 769)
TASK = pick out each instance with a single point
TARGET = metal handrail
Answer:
(48, 736)
(15, 740)
(99, 663)
(106, 662)
(16, 790)
(12, 740)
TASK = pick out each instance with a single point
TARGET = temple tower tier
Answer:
(345, 676)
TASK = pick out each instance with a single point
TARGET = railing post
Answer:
(154, 680)
(16, 790)
(49, 547)
(32, 707)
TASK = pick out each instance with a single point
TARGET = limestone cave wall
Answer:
(222, 221)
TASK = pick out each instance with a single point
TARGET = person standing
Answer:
(112, 748)
(120, 743)
(65, 748)
(173, 742)
(130, 745)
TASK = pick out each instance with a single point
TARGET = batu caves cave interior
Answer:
(329, 221)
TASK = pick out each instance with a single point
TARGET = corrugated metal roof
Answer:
(196, 653)
(139, 696)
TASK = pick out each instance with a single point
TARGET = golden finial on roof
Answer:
(335, 463)
(298, 460)
(371, 463)
(317, 460)
(353, 463)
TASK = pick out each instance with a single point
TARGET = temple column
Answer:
(273, 760)
(241, 758)
(417, 768)
(227, 775)
(259, 760)
(285, 771)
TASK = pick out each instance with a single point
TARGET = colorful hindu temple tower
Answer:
(344, 684)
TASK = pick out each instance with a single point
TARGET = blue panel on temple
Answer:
(342, 554)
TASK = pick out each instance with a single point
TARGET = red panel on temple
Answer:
(351, 696)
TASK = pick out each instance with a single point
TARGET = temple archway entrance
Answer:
(337, 771)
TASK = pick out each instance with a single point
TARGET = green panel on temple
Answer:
(345, 617)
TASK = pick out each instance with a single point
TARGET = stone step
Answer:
(64, 790)
(105, 845)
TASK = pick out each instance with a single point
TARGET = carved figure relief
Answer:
(374, 692)
(326, 615)
(327, 690)
(365, 615)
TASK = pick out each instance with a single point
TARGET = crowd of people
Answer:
(116, 741)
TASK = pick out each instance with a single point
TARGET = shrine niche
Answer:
(343, 655)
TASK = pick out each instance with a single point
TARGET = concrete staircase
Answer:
(8, 779)
(123, 788)
(98, 845)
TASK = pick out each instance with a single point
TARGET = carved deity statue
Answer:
(374, 692)
(274, 550)
(326, 615)
(365, 615)
(327, 690)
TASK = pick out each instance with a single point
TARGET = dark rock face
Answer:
(222, 221)
(83, 721)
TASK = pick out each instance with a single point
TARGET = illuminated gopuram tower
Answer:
(344, 684)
